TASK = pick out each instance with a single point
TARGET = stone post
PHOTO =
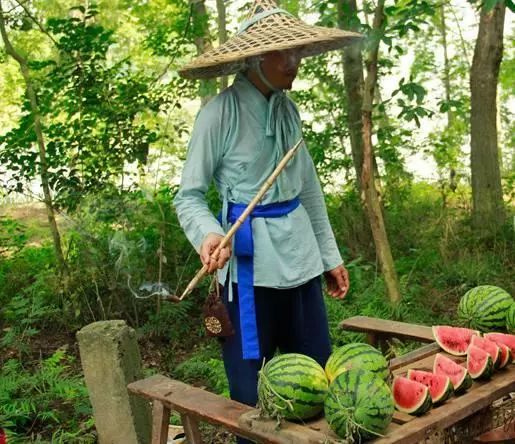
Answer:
(110, 359)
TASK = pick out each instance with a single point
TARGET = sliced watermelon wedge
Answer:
(479, 363)
(410, 396)
(440, 386)
(458, 374)
(489, 346)
(505, 355)
(454, 340)
(503, 338)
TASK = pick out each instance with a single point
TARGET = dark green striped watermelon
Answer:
(410, 396)
(359, 405)
(292, 386)
(510, 319)
(356, 355)
(485, 307)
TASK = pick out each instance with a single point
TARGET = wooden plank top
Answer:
(187, 399)
(365, 324)
(315, 432)
(238, 418)
(414, 356)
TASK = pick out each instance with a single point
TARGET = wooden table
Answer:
(196, 405)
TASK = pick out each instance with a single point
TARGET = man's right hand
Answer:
(207, 248)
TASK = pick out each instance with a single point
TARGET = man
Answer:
(272, 285)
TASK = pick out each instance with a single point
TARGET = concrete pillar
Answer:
(110, 359)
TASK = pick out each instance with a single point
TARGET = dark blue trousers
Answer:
(292, 320)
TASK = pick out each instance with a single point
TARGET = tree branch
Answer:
(36, 22)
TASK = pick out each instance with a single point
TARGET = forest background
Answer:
(412, 133)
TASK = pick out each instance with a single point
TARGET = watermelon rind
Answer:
(458, 374)
(356, 355)
(454, 340)
(505, 355)
(486, 369)
(489, 346)
(401, 385)
(510, 319)
(503, 338)
(425, 378)
(485, 308)
(292, 386)
(359, 405)
(465, 385)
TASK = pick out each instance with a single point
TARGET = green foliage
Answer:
(51, 400)
(124, 247)
(26, 315)
(12, 235)
(324, 134)
(204, 368)
(92, 112)
(437, 259)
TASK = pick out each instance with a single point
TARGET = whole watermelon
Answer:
(359, 405)
(292, 386)
(510, 319)
(485, 308)
(356, 355)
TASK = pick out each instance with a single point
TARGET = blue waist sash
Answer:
(244, 252)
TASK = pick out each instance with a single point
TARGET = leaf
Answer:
(78, 8)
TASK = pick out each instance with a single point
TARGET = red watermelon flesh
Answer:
(503, 338)
(505, 355)
(457, 373)
(489, 346)
(410, 396)
(479, 363)
(454, 340)
(440, 386)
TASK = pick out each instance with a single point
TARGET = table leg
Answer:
(160, 421)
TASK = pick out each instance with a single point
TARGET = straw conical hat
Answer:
(268, 28)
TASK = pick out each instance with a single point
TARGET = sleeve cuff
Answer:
(331, 261)
(207, 228)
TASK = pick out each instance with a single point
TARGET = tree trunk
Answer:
(222, 33)
(354, 81)
(203, 43)
(31, 94)
(372, 204)
(487, 201)
(447, 85)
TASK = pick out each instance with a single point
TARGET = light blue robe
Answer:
(238, 139)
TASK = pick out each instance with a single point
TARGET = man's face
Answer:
(280, 67)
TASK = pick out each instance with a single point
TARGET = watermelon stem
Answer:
(353, 428)
(266, 402)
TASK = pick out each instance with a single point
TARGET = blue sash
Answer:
(244, 252)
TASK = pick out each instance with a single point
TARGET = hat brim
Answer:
(229, 58)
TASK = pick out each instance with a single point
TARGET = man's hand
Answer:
(337, 281)
(207, 248)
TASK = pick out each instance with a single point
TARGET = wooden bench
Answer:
(196, 405)
(378, 330)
